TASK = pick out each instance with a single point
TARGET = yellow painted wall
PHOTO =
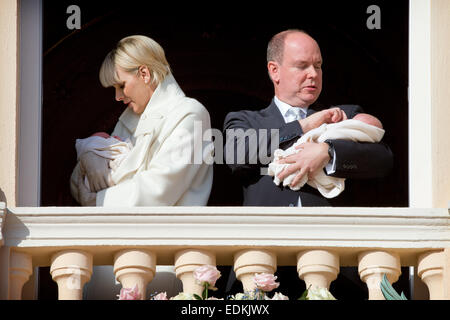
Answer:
(9, 94)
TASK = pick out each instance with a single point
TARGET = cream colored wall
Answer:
(420, 148)
(429, 108)
(9, 93)
(440, 101)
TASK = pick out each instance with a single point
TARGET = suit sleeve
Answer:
(360, 160)
(248, 148)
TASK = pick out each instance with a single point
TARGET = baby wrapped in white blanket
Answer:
(106, 146)
(362, 128)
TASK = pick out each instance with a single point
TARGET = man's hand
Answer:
(311, 157)
(86, 197)
(97, 170)
(315, 120)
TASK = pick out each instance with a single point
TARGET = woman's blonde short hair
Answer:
(131, 53)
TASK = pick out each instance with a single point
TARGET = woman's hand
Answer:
(97, 170)
(86, 197)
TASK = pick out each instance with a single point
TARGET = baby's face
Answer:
(101, 134)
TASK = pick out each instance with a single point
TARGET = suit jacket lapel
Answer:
(274, 117)
(310, 112)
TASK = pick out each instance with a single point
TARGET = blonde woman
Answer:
(165, 127)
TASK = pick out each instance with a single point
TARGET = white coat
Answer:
(166, 166)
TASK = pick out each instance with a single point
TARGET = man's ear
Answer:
(274, 71)
(144, 74)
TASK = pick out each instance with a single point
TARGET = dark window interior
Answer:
(217, 54)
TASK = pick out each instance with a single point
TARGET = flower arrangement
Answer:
(317, 293)
(264, 283)
(129, 294)
(207, 275)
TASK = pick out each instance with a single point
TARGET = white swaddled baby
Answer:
(106, 146)
(362, 128)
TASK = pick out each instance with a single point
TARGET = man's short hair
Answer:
(275, 48)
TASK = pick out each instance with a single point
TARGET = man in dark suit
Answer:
(294, 65)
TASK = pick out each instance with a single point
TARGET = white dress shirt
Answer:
(290, 114)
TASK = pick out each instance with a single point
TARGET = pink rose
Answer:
(266, 281)
(130, 294)
(160, 296)
(207, 273)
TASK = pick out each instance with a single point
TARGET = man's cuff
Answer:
(330, 168)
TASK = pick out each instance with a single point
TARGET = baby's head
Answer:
(369, 119)
(101, 134)
(105, 135)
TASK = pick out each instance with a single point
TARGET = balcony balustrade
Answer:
(71, 240)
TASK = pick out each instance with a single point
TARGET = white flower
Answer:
(247, 295)
(240, 296)
(278, 296)
(319, 293)
(183, 296)
(160, 296)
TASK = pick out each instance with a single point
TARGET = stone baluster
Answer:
(373, 265)
(186, 261)
(249, 262)
(135, 267)
(20, 270)
(71, 270)
(317, 267)
(431, 270)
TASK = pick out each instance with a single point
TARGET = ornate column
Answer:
(372, 266)
(430, 269)
(135, 266)
(317, 267)
(251, 261)
(20, 269)
(71, 269)
(186, 261)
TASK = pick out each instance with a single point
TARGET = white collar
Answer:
(284, 107)
(160, 104)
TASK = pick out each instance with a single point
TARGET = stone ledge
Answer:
(43, 230)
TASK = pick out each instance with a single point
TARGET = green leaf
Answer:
(388, 291)
(205, 291)
(197, 297)
(304, 295)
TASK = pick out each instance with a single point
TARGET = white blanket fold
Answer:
(329, 187)
(109, 148)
